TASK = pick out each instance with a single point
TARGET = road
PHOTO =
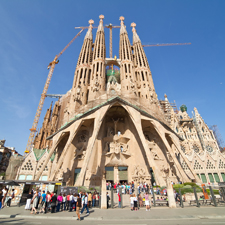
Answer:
(39, 221)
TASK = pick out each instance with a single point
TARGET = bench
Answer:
(161, 202)
(201, 202)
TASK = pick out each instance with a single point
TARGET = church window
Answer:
(189, 129)
(177, 129)
(223, 176)
(97, 67)
(203, 177)
(203, 130)
(181, 117)
(44, 178)
(142, 74)
(211, 179)
(119, 133)
(21, 177)
(121, 148)
(216, 177)
(29, 177)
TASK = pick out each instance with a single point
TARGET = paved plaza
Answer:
(191, 215)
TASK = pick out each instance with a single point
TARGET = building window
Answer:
(44, 178)
(29, 177)
(21, 177)
(223, 176)
(211, 179)
(203, 177)
(217, 179)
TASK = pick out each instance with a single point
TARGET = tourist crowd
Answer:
(43, 202)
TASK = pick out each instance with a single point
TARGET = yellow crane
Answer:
(51, 66)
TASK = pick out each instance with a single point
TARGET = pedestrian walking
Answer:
(34, 202)
(85, 204)
(28, 202)
(78, 207)
(147, 202)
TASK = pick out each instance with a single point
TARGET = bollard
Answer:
(222, 189)
(121, 197)
(196, 197)
(153, 195)
(112, 203)
(213, 196)
(181, 200)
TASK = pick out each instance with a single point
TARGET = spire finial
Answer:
(100, 27)
(133, 25)
(135, 36)
(101, 17)
(122, 19)
(91, 22)
(122, 27)
(89, 32)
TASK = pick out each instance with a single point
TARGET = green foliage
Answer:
(191, 184)
(216, 192)
(2, 174)
(178, 186)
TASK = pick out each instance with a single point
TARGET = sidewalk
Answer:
(123, 214)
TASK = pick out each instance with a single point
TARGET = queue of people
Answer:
(43, 202)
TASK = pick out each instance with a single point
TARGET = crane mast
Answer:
(51, 66)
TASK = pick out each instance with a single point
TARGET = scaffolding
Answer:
(218, 136)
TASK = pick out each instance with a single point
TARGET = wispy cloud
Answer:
(21, 111)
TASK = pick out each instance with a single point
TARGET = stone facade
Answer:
(5, 154)
(113, 125)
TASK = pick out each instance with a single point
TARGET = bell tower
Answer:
(79, 92)
(143, 76)
(98, 77)
(128, 87)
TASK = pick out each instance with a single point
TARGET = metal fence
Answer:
(191, 196)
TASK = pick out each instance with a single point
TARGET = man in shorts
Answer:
(78, 207)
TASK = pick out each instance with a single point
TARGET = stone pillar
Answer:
(103, 194)
(116, 174)
(170, 194)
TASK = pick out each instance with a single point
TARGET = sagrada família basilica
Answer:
(112, 124)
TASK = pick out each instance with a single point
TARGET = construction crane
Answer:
(54, 95)
(166, 44)
(51, 66)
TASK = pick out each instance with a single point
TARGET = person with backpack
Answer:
(108, 198)
(10, 198)
(85, 204)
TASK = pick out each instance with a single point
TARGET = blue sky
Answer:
(33, 32)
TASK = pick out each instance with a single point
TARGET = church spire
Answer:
(127, 67)
(82, 74)
(98, 82)
(142, 72)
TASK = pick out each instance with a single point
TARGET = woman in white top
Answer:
(135, 202)
(131, 202)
